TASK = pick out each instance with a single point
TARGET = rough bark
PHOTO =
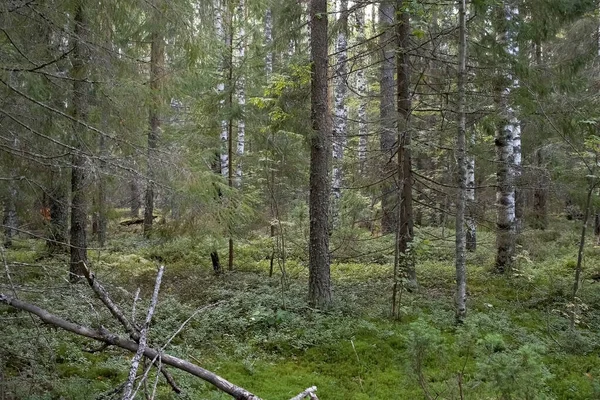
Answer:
(135, 202)
(157, 64)
(223, 66)
(269, 42)
(340, 114)
(462, 162)
(319, 288)
(471, 211)
(405, 222)
(78, 240)
(102, 195)
(387, 114)
(58, 205)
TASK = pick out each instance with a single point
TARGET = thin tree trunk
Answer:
(319, 288)
(79, 200)
(224, 135)
(135, 201)
(579, 267)
(102, 198)
(404, 150)
(540, 194)
(387, 114)
(361, 89)
(340, 119)
(462, 163)
(157, 64)
(10, 221)
(241, 90)
(471, 211)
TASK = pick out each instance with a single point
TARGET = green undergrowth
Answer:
(257, 331)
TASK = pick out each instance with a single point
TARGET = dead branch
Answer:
(130, 327)
(104, 336)
(135, 363)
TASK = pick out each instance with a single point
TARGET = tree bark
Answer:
(79, 200)
(241, 89)
(340, 115)
(157, 65)
(404, 150)
(319, 288)
(361, 90)
(10, 212)
(508, 124)
(540, 193)
(387, 114)
(462, 162)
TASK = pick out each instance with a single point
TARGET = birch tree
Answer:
(361, 91)
(240, 53)
(508, 129)
(340, 120)
(462, 169)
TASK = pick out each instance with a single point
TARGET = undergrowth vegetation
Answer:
(257, 331)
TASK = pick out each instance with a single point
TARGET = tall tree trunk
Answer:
(471, 210)
(241, 89)
(319, 287)
(462, 163)
(157, 64)
(404, 150)
(58, 204)
(387, 114)
(508, 124)
(79, 74)
(361, 90)
(223, 66)
(269, 42)
(340, 119)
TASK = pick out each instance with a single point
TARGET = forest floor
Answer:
(260, 334)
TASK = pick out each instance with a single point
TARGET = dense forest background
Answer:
(391, 199)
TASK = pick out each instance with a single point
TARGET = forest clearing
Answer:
(270, 199)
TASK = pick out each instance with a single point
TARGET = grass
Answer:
(516, 343)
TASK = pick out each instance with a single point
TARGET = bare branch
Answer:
(143, 337)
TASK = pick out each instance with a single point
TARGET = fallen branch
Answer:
(103, 335)
(135, 363)
(130, 327)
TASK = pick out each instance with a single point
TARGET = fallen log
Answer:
(103, 335)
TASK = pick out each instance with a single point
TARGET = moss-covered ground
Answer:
(259, 333)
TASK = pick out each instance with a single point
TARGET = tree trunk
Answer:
(388, 118)
(471, 210)
(224, 135)
(340, 117)
(78, 176)
(404, 151)
(361, 89)
(10, 221)
(462, 163)
(319, 288)
(508, 124)
(241, 89)
(135, 201)
(157, 64)
(102, 199)
(540, 193)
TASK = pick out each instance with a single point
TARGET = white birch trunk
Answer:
(340, 120)
(269, 42)
(470, 217)
(461, 258)
(505, 143)
(224, 135)
(361, 89)
(241, 89)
